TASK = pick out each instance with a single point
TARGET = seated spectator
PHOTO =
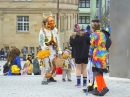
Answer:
(30, 66)
(36, 66)
(14, 60)
(2, 53)
(25, 69)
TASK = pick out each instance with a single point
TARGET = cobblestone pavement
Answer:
(30, 86)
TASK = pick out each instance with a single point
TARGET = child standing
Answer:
(25, 70)
(30, 66)
(66, 70)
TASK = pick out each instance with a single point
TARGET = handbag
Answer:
(15, 69)
(6, 67)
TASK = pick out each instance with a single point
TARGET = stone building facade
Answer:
(20, 21)
(120, 49)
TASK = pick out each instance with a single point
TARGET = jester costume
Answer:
(49, 43)
(98, 54)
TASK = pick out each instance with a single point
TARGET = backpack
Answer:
(108, 42)
(6, 67)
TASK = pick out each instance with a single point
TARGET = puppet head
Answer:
(48, 21)
(66, 54)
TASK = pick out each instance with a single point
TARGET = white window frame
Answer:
(23, 17)
(84, 20)
(84, 3)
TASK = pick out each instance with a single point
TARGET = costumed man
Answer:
(49, 43)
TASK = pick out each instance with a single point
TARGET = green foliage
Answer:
(104, 16)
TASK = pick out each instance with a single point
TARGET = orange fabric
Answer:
(100, 82)
(103, 82)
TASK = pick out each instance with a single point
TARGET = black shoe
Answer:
(52, 79)
(104, 91)
(84, 90)
(69, 80)
(95, 92)
(63, 80)
(90, 88)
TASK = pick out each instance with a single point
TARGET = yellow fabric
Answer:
(15, 69)
(30, 67)
(90, 84)
(95, 85)
(64, 56)
(43, 54)
(42, 64)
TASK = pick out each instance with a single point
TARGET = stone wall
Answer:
(10, 37)
(120, 49)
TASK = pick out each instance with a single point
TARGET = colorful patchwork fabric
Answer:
(98, 50)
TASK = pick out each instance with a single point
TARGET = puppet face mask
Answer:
(66, 53)
(51, 21)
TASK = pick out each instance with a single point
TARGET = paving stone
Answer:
(30, 86)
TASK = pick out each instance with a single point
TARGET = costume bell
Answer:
(50, 43)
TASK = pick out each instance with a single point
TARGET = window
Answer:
(37, 48)
(26, 50)
(6, 49)
(31, 50)
(84, 20)
(108, 3)
(84, 3)
(23, 23)
(97, 3)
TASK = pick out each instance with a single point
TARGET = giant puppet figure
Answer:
(49, 43)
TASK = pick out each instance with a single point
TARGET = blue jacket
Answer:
(17, 62)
